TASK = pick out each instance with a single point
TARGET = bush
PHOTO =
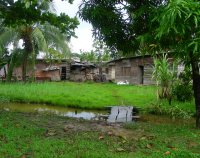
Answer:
(183, 92)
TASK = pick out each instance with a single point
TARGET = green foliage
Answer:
(15, 60)
(4, 100)
(100, 54)
(120, 23)
(172, 111)
(45, 38)
(4, 57)
(177, 29)
(29, 12)
(183, 90)
(7, 36)
(55, 38)
(162, 72)
(103, 53)
(150, 26)
(164, 76)
(87, 56)
(36, 33)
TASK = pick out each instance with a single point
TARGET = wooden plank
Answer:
(120, 114)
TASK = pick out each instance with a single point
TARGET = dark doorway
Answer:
(141, 74)
(63, 73)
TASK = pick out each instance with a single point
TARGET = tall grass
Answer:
(83, 95)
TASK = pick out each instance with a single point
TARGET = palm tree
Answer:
(29, 35)
(35, 38)
(57, 42)
(7, 36)
(15, 60)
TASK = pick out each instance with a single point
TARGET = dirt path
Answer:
(61, 126)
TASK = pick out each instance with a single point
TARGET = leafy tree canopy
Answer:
(27, 12)
(120, 22)
(178, 29)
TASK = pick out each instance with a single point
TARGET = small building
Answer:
(80, 71)
(55, 70)
(134, 70)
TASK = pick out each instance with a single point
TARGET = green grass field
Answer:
(80, 95)
(49, 136)
(85, 95)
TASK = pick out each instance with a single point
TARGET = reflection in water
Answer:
(85, 114)
(60, 111)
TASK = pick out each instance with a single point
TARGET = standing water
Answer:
(57, 110)
(87, 114)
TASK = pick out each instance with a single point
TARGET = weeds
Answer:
(172, 111)
(4, 99)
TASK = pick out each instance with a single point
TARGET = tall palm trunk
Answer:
(33, 65)
(24, 66)
(26, 35)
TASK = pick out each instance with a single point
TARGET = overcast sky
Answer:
(84, 33)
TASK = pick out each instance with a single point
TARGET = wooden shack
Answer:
(80, 71)
(52, 71)
(56, 70)
(133, 70)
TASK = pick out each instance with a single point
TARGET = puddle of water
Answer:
(60, 111)
(86, 114)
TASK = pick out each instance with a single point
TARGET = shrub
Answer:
(183, 89)
(164, 76)
(183, 92)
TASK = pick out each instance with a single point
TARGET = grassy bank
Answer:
(85, 95)
(43, 136)
(81, 95)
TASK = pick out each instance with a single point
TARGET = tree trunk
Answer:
(196, 87)
(5, 73)
(100, 73)
(28, 45)
(33, 66)
(10, 68)
(24, 65)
